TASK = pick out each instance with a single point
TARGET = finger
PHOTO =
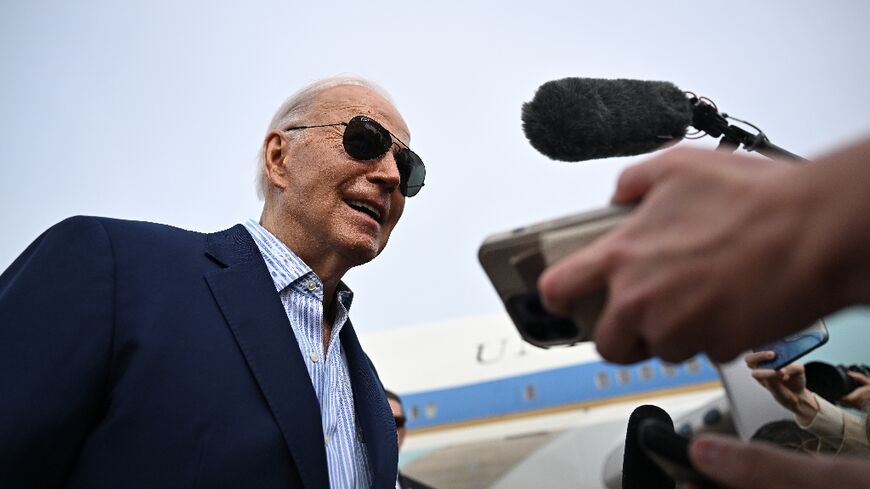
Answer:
(748, 465)
(615, 337)
(578, 274)
(849, 399)
(792, 369)
(622, 352)
(753, 359)
(765, 374)
(635, 181)
(858, 377)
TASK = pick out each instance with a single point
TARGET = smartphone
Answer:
(670, 451)
(514, 259)
(795, 346)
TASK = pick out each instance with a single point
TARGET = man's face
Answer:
(396, 408)
(341, 205)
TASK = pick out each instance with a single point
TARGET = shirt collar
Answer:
(284, 265)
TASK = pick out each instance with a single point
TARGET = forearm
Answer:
(836, 237)
(826, 421)
(843, 431)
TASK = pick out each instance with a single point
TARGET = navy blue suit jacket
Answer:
(135, 355)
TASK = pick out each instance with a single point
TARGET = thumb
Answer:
(855, 397)
(740, 465)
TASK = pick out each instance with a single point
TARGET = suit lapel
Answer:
(373, 413)
(246, 295)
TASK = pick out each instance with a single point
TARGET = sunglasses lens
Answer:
(365, 139)
(412, 172)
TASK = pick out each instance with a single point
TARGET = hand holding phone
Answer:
(791, 348)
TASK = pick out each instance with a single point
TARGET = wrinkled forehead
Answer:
(341, 103)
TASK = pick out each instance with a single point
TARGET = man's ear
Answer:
(274, 151)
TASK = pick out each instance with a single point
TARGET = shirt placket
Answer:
(329, 377)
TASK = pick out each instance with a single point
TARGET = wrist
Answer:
(834, 201)
(806, 408)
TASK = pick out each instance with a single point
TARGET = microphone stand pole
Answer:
(706, 118)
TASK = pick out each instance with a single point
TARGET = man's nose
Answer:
(385, 171)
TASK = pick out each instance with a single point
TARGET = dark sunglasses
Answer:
(365, 139)
(400, 421)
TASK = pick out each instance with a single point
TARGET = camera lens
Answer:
(832, 381)
(828, 381)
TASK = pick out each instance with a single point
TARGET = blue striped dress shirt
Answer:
(301, 292)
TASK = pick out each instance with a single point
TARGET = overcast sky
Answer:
(155, 110)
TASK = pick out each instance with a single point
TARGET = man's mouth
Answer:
(367, 209)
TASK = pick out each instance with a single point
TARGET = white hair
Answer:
(297, 107)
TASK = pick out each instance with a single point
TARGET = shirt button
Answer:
(325, 440)
(314, 356)
(310, 285)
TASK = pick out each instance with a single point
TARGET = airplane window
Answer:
(646, 372)
(414, 412)
(669, 370)
(602, 380)
(623, 376)
(693, 366)
(431, 409)
(530, 393)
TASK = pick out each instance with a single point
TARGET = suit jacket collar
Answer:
(374, 416)
(246, 295)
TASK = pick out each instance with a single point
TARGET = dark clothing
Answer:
(137, 355)
(406, 482)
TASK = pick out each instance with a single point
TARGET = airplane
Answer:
(487, 410)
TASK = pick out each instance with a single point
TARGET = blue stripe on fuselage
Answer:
(585, 382)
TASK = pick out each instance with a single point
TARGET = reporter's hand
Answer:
(710, 260)
(860, 397)
(741, 465)
(788, 385)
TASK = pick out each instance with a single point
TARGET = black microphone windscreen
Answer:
(638, 470)
(576, 119)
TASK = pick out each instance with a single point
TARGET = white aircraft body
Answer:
(487, 410)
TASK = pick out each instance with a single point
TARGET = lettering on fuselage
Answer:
(491, 352)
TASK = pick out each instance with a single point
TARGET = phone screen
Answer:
(795, 346)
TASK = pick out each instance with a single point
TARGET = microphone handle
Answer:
(706, 117)
(773, 151)
(733, 136)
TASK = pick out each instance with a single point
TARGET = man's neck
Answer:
(328, 267)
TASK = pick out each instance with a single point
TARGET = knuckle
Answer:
(619, 252)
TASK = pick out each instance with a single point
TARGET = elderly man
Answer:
(135, 354)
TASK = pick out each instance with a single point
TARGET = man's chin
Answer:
(362, 251)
